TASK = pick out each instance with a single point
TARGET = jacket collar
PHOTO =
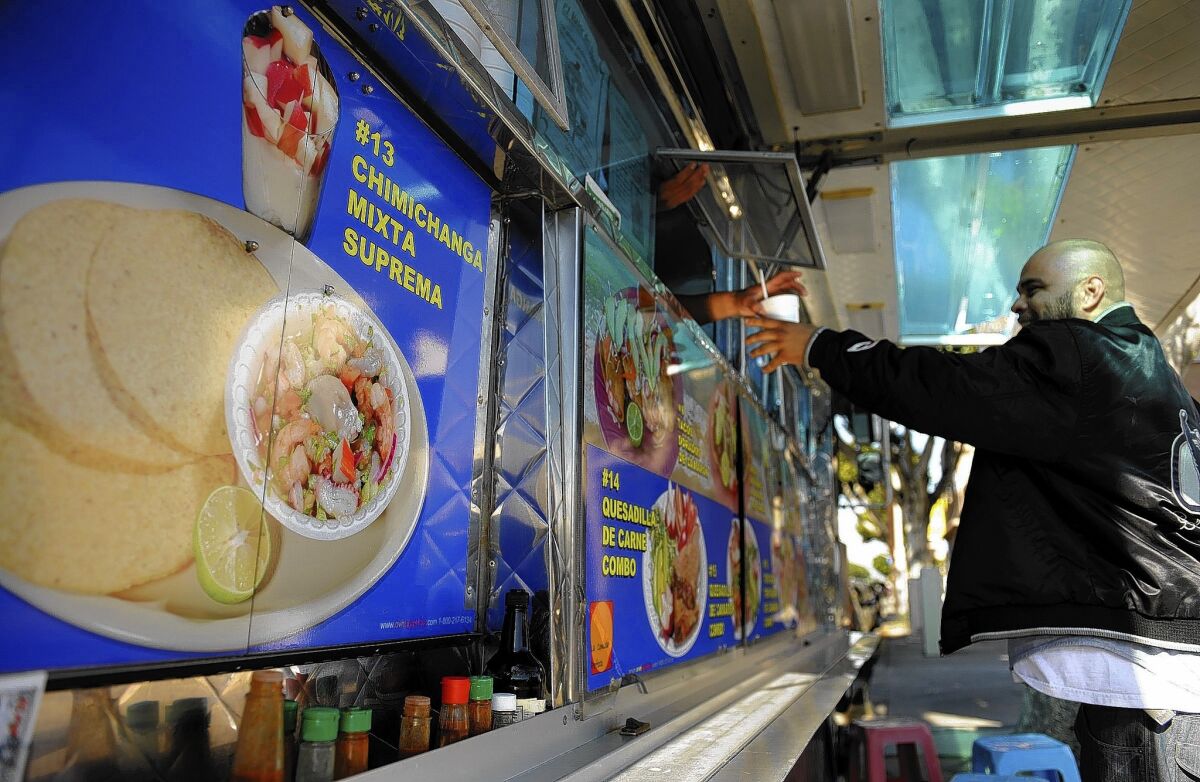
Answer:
(1119, 314)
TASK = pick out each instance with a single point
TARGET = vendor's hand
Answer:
(682, 187)
(785, 342)
(749, 300)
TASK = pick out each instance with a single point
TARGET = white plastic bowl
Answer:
(265, 328)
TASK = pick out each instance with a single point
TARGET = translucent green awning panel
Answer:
(961, 59)
(963, 227)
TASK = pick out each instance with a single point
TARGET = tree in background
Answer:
(915, 468)
(921, 470)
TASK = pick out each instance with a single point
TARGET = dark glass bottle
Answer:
(514, 668)
(189, 756)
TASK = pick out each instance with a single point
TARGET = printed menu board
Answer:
(795, 492)
(770, 552)
(662, 542)
(659, 573)
(241, 293)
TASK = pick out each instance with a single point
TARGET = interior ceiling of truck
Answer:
(814, 72)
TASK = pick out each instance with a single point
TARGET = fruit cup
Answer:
(289, 112)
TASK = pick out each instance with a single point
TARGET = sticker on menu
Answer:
(20, 696)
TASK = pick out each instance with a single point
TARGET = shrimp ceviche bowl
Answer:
(634, 351)
(673, 572)
(317, 408)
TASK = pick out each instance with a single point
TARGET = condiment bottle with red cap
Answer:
(454, 724)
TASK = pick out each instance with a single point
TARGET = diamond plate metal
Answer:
(517, 522)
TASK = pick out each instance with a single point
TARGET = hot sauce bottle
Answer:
(414, 726)
(453, 724)
(479, 709)
(259, 753)
(351, 757)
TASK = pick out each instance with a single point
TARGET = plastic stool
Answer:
(874, 736)
(1048, 758)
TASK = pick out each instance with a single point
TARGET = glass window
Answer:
(512, 38)
(963, 227)
(961, 59)
(759, 197)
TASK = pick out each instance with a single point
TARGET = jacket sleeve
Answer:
(1021, 398)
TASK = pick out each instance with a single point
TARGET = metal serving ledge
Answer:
(748, 714)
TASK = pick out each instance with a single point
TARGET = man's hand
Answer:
(682, 187)
(749, 300)
(785, 342)
(709, 307)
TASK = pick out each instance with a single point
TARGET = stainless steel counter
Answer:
(747, 714)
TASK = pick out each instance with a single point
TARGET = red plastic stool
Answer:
(873, 737)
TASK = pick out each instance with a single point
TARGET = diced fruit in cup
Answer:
(253, 123)
(297, 38)
(295, 115)
(309, 151)
(325, 105)
(268, 118)
(289, 140)
(257, 53)
(285, 96)
(278, 74)
(303, 75)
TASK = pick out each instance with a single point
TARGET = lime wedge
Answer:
(633, 424)
(231, 544)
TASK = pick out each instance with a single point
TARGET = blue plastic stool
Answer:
(1031, 752)
(986, 778)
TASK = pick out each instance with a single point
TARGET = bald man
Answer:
(1080, 535)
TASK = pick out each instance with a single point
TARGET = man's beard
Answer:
(1060, 309)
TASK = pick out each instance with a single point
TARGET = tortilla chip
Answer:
(48, 382)
(169, 293)
(73, 528)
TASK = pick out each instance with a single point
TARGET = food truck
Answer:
(352, 341)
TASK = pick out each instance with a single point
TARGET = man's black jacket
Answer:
(1082, 512)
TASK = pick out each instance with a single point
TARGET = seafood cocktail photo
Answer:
(324, 415)
(636, 391)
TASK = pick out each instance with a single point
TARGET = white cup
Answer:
(784, 306)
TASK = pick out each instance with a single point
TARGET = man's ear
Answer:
(1092, 293)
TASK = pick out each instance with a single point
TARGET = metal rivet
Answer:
(328, 290)
(352, 76)
(361, 13)
(491, 563)
(480, 399)
(486, 310)
(251, 246)
(470, 591)
(368, 89)
(564, 719)
(286, 10)
(373, 27)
